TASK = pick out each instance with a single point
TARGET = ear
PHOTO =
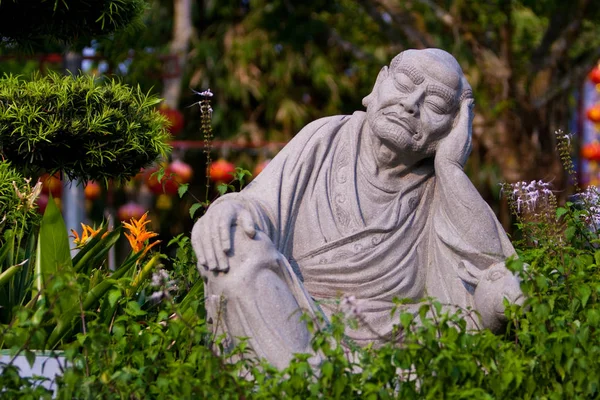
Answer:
(383, 74)
(469, 273)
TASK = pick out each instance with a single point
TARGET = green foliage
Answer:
(18, 223)
(26, 22)
(65, 289)
(86, 129)
(53, 254)
(15, 207)
(17, 256)
(550, 350)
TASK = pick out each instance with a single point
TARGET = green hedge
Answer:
(551, 348)
(87, 129)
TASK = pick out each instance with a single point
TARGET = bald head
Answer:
(414, 102)
(435, 63)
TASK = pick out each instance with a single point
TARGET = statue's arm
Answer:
(461, 205)
(463, 217)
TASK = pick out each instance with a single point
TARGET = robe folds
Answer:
(343, 234)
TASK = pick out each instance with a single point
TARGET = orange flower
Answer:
(138, 236)
(86, 234)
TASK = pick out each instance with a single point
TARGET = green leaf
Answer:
(143, 275)
(93, 253)
(597, 257)
(30, 356)
(406, 320)
(240, 173)
(194, 294)
(183, 188)
(194, 208)
(570, 233)
(133, 309)
(160, 174)
(9, 273)
(584, 292)
(593, 317)
(53, 253)
(113, 296)
(8, 247)
(560, 211)
(222, 188)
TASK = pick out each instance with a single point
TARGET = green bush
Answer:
(550, 349)
(158, 345)
(85, 129)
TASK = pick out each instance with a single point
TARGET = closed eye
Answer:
(403, 83)
(437, 106)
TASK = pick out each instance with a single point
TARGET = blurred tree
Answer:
(524, 60)
(276, 65)
(178, 47)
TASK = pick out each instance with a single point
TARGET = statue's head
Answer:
(415, 101)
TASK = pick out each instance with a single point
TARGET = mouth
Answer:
(394, 117)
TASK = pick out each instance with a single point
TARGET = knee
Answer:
(251, 260)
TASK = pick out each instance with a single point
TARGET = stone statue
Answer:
(373, 205)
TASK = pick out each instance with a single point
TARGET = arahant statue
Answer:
(374, 205)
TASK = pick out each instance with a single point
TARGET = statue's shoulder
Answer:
(318, 136)
(329, 126)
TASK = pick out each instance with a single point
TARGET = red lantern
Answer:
(51, 184)
(594, 75)
(167, 184)
(175, 117)
(42, 202)
(130, 210)
(180, 171)
(53, 58)
(92, 190)
(260, 166)
(593, 113)
(221, 171)
(591, 151)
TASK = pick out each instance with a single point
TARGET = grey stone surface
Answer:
(373, 205)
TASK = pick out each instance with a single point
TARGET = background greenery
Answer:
(274, 66)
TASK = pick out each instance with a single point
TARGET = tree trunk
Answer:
(182, 32)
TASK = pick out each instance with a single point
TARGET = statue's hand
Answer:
(456, 147)
(212, 238)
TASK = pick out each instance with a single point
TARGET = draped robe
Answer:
(343, 234)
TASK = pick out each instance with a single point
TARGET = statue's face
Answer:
(415, 105)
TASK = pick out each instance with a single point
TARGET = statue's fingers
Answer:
(245, 220)
(201, 258)
(197, 235)
(209, 254)
(465, 114)
(222, 259)
(224, 232)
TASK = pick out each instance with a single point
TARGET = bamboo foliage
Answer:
(87, 130)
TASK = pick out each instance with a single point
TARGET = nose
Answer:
(412, 101)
